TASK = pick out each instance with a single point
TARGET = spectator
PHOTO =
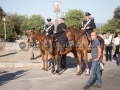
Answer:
(114, 56)
(31, 44)
(95, 68)
(108, 45)
(117, 48)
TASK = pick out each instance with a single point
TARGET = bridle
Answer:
(78, 38)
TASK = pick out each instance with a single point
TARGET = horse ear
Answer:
(70, 27)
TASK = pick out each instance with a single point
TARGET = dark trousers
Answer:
(116, 51)
(118, 61)
(108, 49)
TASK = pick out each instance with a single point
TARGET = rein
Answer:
(79, 37)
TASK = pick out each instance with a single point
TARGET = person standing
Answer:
(108, 45)
(117, 47)
(31, 44)
(115, 52)
(95, 68)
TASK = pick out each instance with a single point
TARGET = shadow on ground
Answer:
(72, 63)
(8, 54)
(6, 77)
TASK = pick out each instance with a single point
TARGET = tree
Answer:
(1, 13)
(109, 27)
(36, 22)
(117, 16)
(74, 18)
(98, 30)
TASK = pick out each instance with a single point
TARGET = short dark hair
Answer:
(63, 18)
(118, 33)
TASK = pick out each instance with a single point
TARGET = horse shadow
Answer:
(72, 63)
(3, 72)
(8, 54)
(6, 77)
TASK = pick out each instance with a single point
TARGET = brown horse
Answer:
(52, 49)
(45, 46)
(81, 43)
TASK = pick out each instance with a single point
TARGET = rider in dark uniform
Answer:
(60, 34)
(88, 24)
(49, 28)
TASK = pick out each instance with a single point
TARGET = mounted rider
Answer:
(60, 34)
(88, 25)
(48, 31)
(49, 28)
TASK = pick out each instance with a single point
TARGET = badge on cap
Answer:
(49, 19)
(87, 14)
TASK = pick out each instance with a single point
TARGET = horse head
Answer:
(69, 34)
(31, 34)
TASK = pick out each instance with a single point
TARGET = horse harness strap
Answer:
(79, 37)
(42, 40)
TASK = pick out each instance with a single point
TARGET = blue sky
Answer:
(101, 10)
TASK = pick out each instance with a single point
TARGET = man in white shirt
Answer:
(108, 45)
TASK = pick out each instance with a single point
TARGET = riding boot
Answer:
(89, 42)
(62, 47)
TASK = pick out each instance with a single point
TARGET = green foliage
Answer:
(37, 22)
(98, 30)
(18, 24)
(109, 27)
(13, 25)
(117, 16)
(1, 13)
(74, 18)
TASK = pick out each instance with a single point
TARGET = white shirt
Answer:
(108, 41)
(117, 41)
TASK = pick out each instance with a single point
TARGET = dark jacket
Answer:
(91, 25)
(60, 34)
(50, 31)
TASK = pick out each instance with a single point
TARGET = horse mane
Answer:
(76, 30)
(38, 33)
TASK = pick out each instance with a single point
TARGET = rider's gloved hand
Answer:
(46, 34)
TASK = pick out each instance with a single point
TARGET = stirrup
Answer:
(89, 45)
(55, 40)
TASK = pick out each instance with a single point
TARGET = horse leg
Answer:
(79, 64)
(101, 61)
(46, 61)
(86, 62)
(43, 67)
(52, 63)
(63, 61)
(58, 64)
(53, 66)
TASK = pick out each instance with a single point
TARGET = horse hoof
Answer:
(86, 74)
(52, 72)
(46, 69)
(63, 67)
(43, 68)
(58, 74)
(57, 71)
(78, 73)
